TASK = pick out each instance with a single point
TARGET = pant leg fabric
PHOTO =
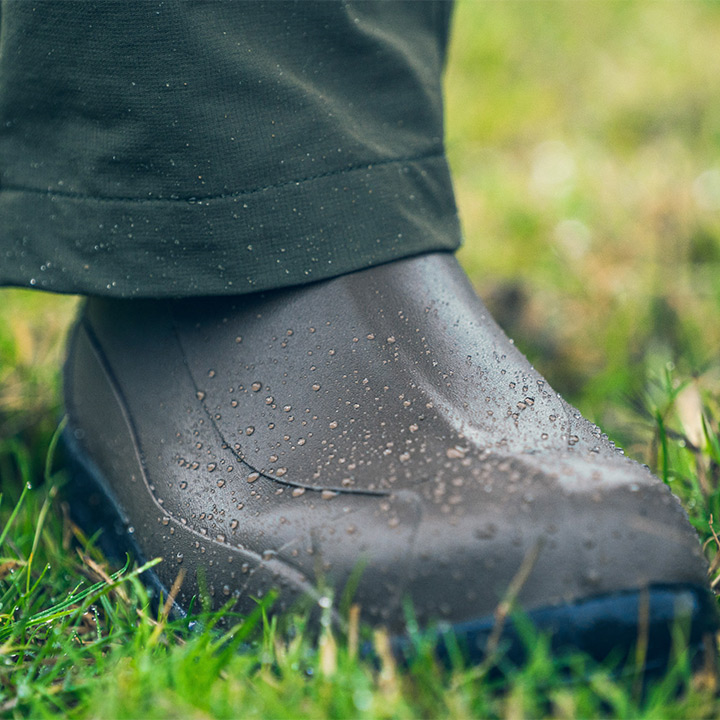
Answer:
(170, 149)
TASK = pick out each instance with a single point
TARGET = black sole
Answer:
(604, 626)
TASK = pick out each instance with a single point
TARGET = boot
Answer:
(377, 432)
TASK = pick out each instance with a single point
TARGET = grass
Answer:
(585, 144)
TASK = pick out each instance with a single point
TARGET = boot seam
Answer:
(300, 578)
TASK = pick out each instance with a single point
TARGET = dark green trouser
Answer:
(165, 149)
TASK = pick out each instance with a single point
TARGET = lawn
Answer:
(585, 143)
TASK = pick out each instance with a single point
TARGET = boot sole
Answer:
(603, 626)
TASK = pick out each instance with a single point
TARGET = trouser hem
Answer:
(239, 243)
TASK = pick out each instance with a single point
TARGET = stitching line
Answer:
(240, 193)
(293, 574)
(240, 457)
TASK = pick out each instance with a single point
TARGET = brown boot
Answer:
(378, 420)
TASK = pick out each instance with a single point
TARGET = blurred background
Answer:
(585, 143)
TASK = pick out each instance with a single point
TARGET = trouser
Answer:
(160, 148)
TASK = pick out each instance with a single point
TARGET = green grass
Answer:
(585, 143)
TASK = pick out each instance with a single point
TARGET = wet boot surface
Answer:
(377, 426)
